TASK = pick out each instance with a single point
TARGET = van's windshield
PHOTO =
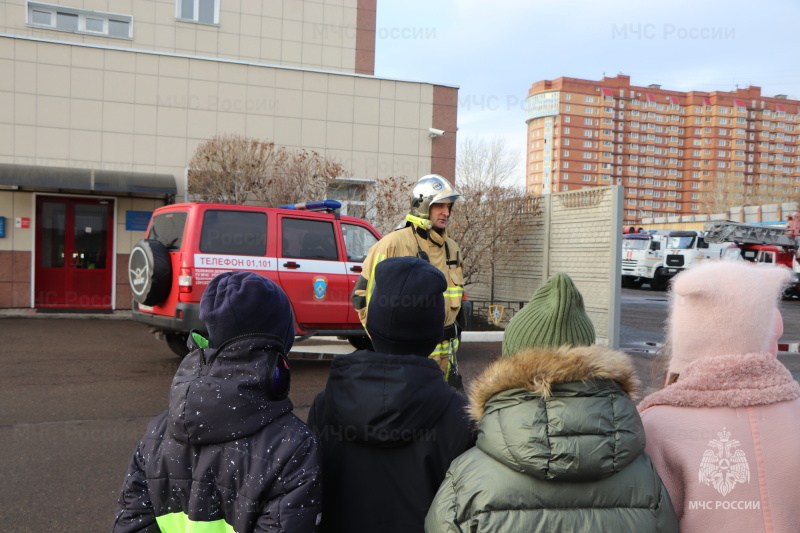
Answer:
(167, 228)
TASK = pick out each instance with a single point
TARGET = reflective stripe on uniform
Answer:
(454, 292)
(445, 351)
(370, 284)
(180, 522)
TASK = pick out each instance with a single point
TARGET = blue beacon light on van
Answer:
(314, 206)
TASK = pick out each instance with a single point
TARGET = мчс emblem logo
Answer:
(496, 313)
(723, 466)
(320, 287)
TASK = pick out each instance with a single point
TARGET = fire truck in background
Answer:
(759, 244)
(643, 259)
(687, 248)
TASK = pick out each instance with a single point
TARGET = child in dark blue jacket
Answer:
(228, 453)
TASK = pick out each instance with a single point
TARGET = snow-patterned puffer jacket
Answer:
(560, 448)
(225, 456)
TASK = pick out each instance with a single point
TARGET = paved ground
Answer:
(76, 396)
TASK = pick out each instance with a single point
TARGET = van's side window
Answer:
(308, 239)
(357, 240)
(167, 228)
(234, 233)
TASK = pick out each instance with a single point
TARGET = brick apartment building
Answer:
(670, 150)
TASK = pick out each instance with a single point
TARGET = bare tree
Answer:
(792, 195)
(234, 169)
(303, 176)
(226, 169)
(483, 224)
(388, 201)
(726, 190)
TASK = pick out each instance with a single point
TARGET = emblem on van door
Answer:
(320, 287)
(724, 466)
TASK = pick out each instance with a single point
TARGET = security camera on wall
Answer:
(433, 132)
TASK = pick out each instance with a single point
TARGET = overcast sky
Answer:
(495, 50)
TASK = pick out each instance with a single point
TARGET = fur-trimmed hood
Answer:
(538, 369)
(559, 414)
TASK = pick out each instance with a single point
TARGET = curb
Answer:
(32, 313)
(482, 336)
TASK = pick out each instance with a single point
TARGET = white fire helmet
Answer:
(432, 189)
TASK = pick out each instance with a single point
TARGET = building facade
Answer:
(675, 153)
(103, 103)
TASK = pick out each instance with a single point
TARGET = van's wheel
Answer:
(149, 272)
(177, 343)
(361, 342)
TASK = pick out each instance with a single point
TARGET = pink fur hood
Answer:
(729, 381)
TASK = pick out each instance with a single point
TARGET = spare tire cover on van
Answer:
(149, 272)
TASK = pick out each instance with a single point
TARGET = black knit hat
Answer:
(240, 303)
(554, 317)
(405, 314)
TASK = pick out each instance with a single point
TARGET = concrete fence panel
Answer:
(578, 233)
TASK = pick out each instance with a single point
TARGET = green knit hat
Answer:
(555, 316)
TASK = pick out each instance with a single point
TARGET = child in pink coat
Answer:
(724, 434)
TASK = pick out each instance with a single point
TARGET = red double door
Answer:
(74, 253)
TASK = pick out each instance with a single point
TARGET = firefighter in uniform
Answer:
(425, 236)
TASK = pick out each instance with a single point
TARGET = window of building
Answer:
(75, 20)
(587, 177)
(588, 99)
(205, 11)
(587, 166)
